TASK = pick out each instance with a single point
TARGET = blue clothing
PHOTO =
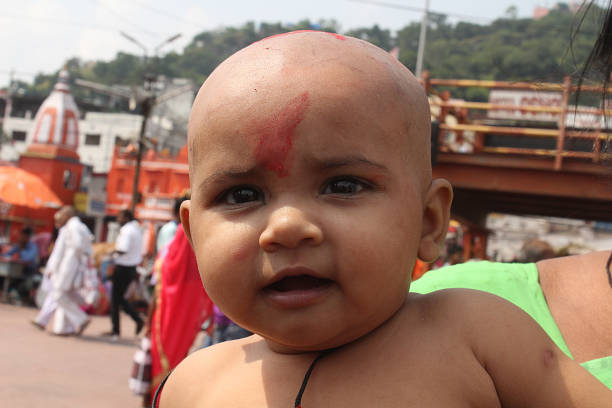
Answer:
(27, 255)
(166, 234)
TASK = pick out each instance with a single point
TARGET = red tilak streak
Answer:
(276, 133)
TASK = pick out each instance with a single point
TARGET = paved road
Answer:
(38, 369)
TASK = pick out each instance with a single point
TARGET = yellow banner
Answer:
(80, 202)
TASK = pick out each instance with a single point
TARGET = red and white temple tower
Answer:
(52, 154)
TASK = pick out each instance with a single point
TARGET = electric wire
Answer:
(421, 10)
(128, 21)
(167, 14)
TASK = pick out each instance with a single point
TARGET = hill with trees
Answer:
(509, 48)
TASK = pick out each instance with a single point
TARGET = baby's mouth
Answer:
(298, 283)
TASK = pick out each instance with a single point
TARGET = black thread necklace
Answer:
(298, 399)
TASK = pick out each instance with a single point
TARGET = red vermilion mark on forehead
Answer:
(275, 135)
(338, 36)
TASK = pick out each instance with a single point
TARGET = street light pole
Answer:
(167, 41)
(138, 43)
(146, 104)
(422, 39)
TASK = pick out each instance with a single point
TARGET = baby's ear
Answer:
(436, 216)
(184, 213)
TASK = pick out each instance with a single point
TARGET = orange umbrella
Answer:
(18, 187)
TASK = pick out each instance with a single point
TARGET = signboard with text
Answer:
(524, 98)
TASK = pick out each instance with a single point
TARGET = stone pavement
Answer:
(38, 369)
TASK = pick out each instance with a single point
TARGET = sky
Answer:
(40, 35)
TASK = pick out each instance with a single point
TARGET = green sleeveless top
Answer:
(517, 283)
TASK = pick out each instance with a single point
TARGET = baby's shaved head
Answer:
(310, 150)
(292, 75)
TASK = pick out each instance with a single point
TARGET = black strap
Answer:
(155, 403)
(298, 399)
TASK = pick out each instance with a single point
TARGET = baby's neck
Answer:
(341, 343)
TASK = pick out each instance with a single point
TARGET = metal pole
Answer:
(167, 41)
(567, 88)
(135, 41)
(147, 104)
(422, 39)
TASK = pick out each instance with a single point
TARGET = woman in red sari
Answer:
(179, 309)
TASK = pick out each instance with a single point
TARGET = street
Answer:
(42, 370)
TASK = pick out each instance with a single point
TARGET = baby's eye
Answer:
(344, 186)
(240, 195)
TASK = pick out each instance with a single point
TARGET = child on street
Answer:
(312, 197)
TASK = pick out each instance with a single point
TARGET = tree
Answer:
(509, 48)
(511, 12)
(375, 35)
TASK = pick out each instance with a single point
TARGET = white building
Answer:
(98, 131)
(97, 135)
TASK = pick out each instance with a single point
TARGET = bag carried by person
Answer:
(140, 381)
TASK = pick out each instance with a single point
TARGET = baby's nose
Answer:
(289, 227)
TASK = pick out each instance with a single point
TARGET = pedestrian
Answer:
(180, 305)
(168, 230)
(66, 265)
(24, 252)
(127, 256)
(45, 302)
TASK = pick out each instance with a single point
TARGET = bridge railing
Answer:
(462, 110)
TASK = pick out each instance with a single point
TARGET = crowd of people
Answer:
(75, 280)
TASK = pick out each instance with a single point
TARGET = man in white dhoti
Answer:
(66, 265)
(48, 309)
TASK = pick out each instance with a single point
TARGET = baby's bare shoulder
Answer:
(468, 316)
(521, 360)
(447, 304)
(470, 309)
(199, 377)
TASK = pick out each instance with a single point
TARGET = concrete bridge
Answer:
(528, 152)
(485, 183)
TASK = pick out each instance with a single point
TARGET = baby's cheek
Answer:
(240, 253)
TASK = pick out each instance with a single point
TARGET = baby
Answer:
(312, 197)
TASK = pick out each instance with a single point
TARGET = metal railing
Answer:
(560, 132)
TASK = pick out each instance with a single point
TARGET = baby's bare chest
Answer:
(441, 379)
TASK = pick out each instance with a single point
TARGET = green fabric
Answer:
(517, 283)
(602, 369)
